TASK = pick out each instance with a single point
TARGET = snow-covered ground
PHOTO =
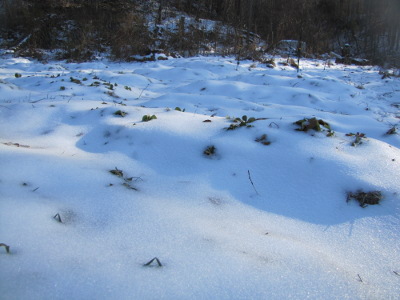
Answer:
(248, 221)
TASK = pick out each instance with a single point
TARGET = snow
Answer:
(252, 221)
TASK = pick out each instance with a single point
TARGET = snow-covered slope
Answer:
(248, 221)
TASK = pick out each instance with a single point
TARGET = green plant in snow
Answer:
(179, 109)
(128, 88)
(242, 122)
(62, 88)
(17, 75)
(314, 124)
(109, 85)
(147, 118)
(120, 113)
(358, 138)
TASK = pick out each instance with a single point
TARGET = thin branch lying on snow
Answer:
(251, 181)
(57, 217)
(151, 261)
(142, 91)
(5, 246)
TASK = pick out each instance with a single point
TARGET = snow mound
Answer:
(90, 191)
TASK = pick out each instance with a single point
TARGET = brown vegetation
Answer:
(82, 28)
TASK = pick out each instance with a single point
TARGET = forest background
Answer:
(79, 30)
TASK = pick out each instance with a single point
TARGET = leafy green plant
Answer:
(365, 198)
(179, 109)
(210, 151)
(147, 118)
(358, 138)
(263, 140)
(109, 85)
(314, 124)
(62, 88)
(128, 88)
(242, 122)
(120, 113)
(17, 75)
(6, 247)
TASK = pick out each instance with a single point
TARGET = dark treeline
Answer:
(372, 27)
(79, 28)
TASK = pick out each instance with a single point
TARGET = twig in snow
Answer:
(5, 246)
(151, 261)
(58, 218)
(251, 181)
(359, 278)
(272, 124)
(142, 91)
(397, 273)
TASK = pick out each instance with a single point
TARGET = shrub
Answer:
(120, 113)
(210, 151)
(307, 124)
(242, 122)
(147, 118)
(364, 199)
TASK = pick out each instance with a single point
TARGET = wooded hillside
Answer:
(80, 28)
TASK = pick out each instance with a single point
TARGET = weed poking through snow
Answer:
(120, 113)
(242, 122)
(263, 140)
(392, 130)
(117, 172)
(210, 151)
(313, 124)
(364, 199)
(57, 217)
(6, 247)
(127, 180)
(147, 118)
(155, 259)
(359, 137)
